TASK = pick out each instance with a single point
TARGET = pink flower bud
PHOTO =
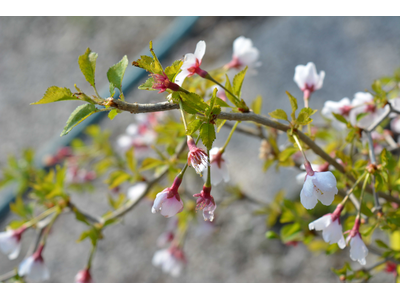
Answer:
(206, 203)
(168, 203)
(83, 276)
(196, 157)
(162, 83)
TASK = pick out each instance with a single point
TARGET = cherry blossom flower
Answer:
(191, 64)
(218, 165)
(206, 203)
(139, 137)
(10, 242)
(171, 260)
(364, 103)
(196, 157)
(342, 107)
(358, 250)
(391, 267)
(162, 83)
(244, 54)
(168, 202)
(331, 228)
(83, 276)
(307, 78)
(300, 178)
(136, 190)
(33, 267)
(318, 186)
(75, 175)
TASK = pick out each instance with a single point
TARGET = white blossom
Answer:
(342, 107)
(307, 78)
(170, 260)
(218, 165)
(331, 230)
(358, 250)
(320, 186)
(191, 63)
(10, 244)
(34, 269)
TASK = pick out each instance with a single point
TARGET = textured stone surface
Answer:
(40, 52)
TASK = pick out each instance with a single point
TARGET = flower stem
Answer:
(208, 182)
(182, 114)
(89, 264)
(222, 150)
(308, 125)
(48, 228)
(349, 192)
(362, 194)
(299, 145)
(226, 90)
(40, 217)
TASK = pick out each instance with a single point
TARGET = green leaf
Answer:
(271, 235)
(304, 116)
(87, 64)
(116, 73)
(193, 103)
(381, 244)
(221, 102)
(193, 126)
(279, 114)
(207, 134)
(256, 105)
(112, 114)
(131, 161)
(150, 163)
(291, 232)
(157, 67)
(55, 94)
(340, 118)
(361, 115)
(238, 82)
(148, 85)
(116, 178)
(173, 70)
(78, 115)
(228, 95)
(287, 153)
(293, 103)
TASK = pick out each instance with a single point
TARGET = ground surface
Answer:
(40, 52)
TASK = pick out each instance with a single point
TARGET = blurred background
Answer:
(39, 52)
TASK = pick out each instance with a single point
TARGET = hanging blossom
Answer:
(218, 167)
(364, 103)
(206, 203)
(83, 276)
(317, 186)
(191, 64)
(342, 107)
(307, 78)
(358, 250)
(33, 267)
(196, 157)
(10, 242)
(162, 83)
(171, 260)
(244, 54)
(331, 227)
(168, 203)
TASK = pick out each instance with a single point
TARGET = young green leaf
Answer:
(78, 115)
(279, 114)
(238, 82)
(293, 103)
(193, 103)
(256, 105)
(116, 73)
(173, 70)
(112, 114)
(207, 134)
(87, 64)
(340, 118)
(55, 93)
(193, 126)
(228, 95)
(148, 85)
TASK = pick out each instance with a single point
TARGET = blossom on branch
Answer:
(162, 83)
(318, 186)
(168, 202)
(191, 64)
(342, 107)
(10, 242)
(197, 157)
(244, 54)
(331, 227)
(358, 250)
(171, 260)
(33, 267)
(206, 203)
(307, 78)
(218, 167)
(363, 103)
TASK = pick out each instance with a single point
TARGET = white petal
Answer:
(25, 266)
(320, 80)
(250, 57)
(320, 223)
(159, 257)
(124, 142)
(358, 250)
(181, 77)
(308, 196)
(160, 198)
(38, 272)
(200, 50)
(333, 233)
(9, 244)
(170, 207)
(132, 129)
(241, 45)
(326, 198)
(325, 181)
(136, 190)
(342, 243)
